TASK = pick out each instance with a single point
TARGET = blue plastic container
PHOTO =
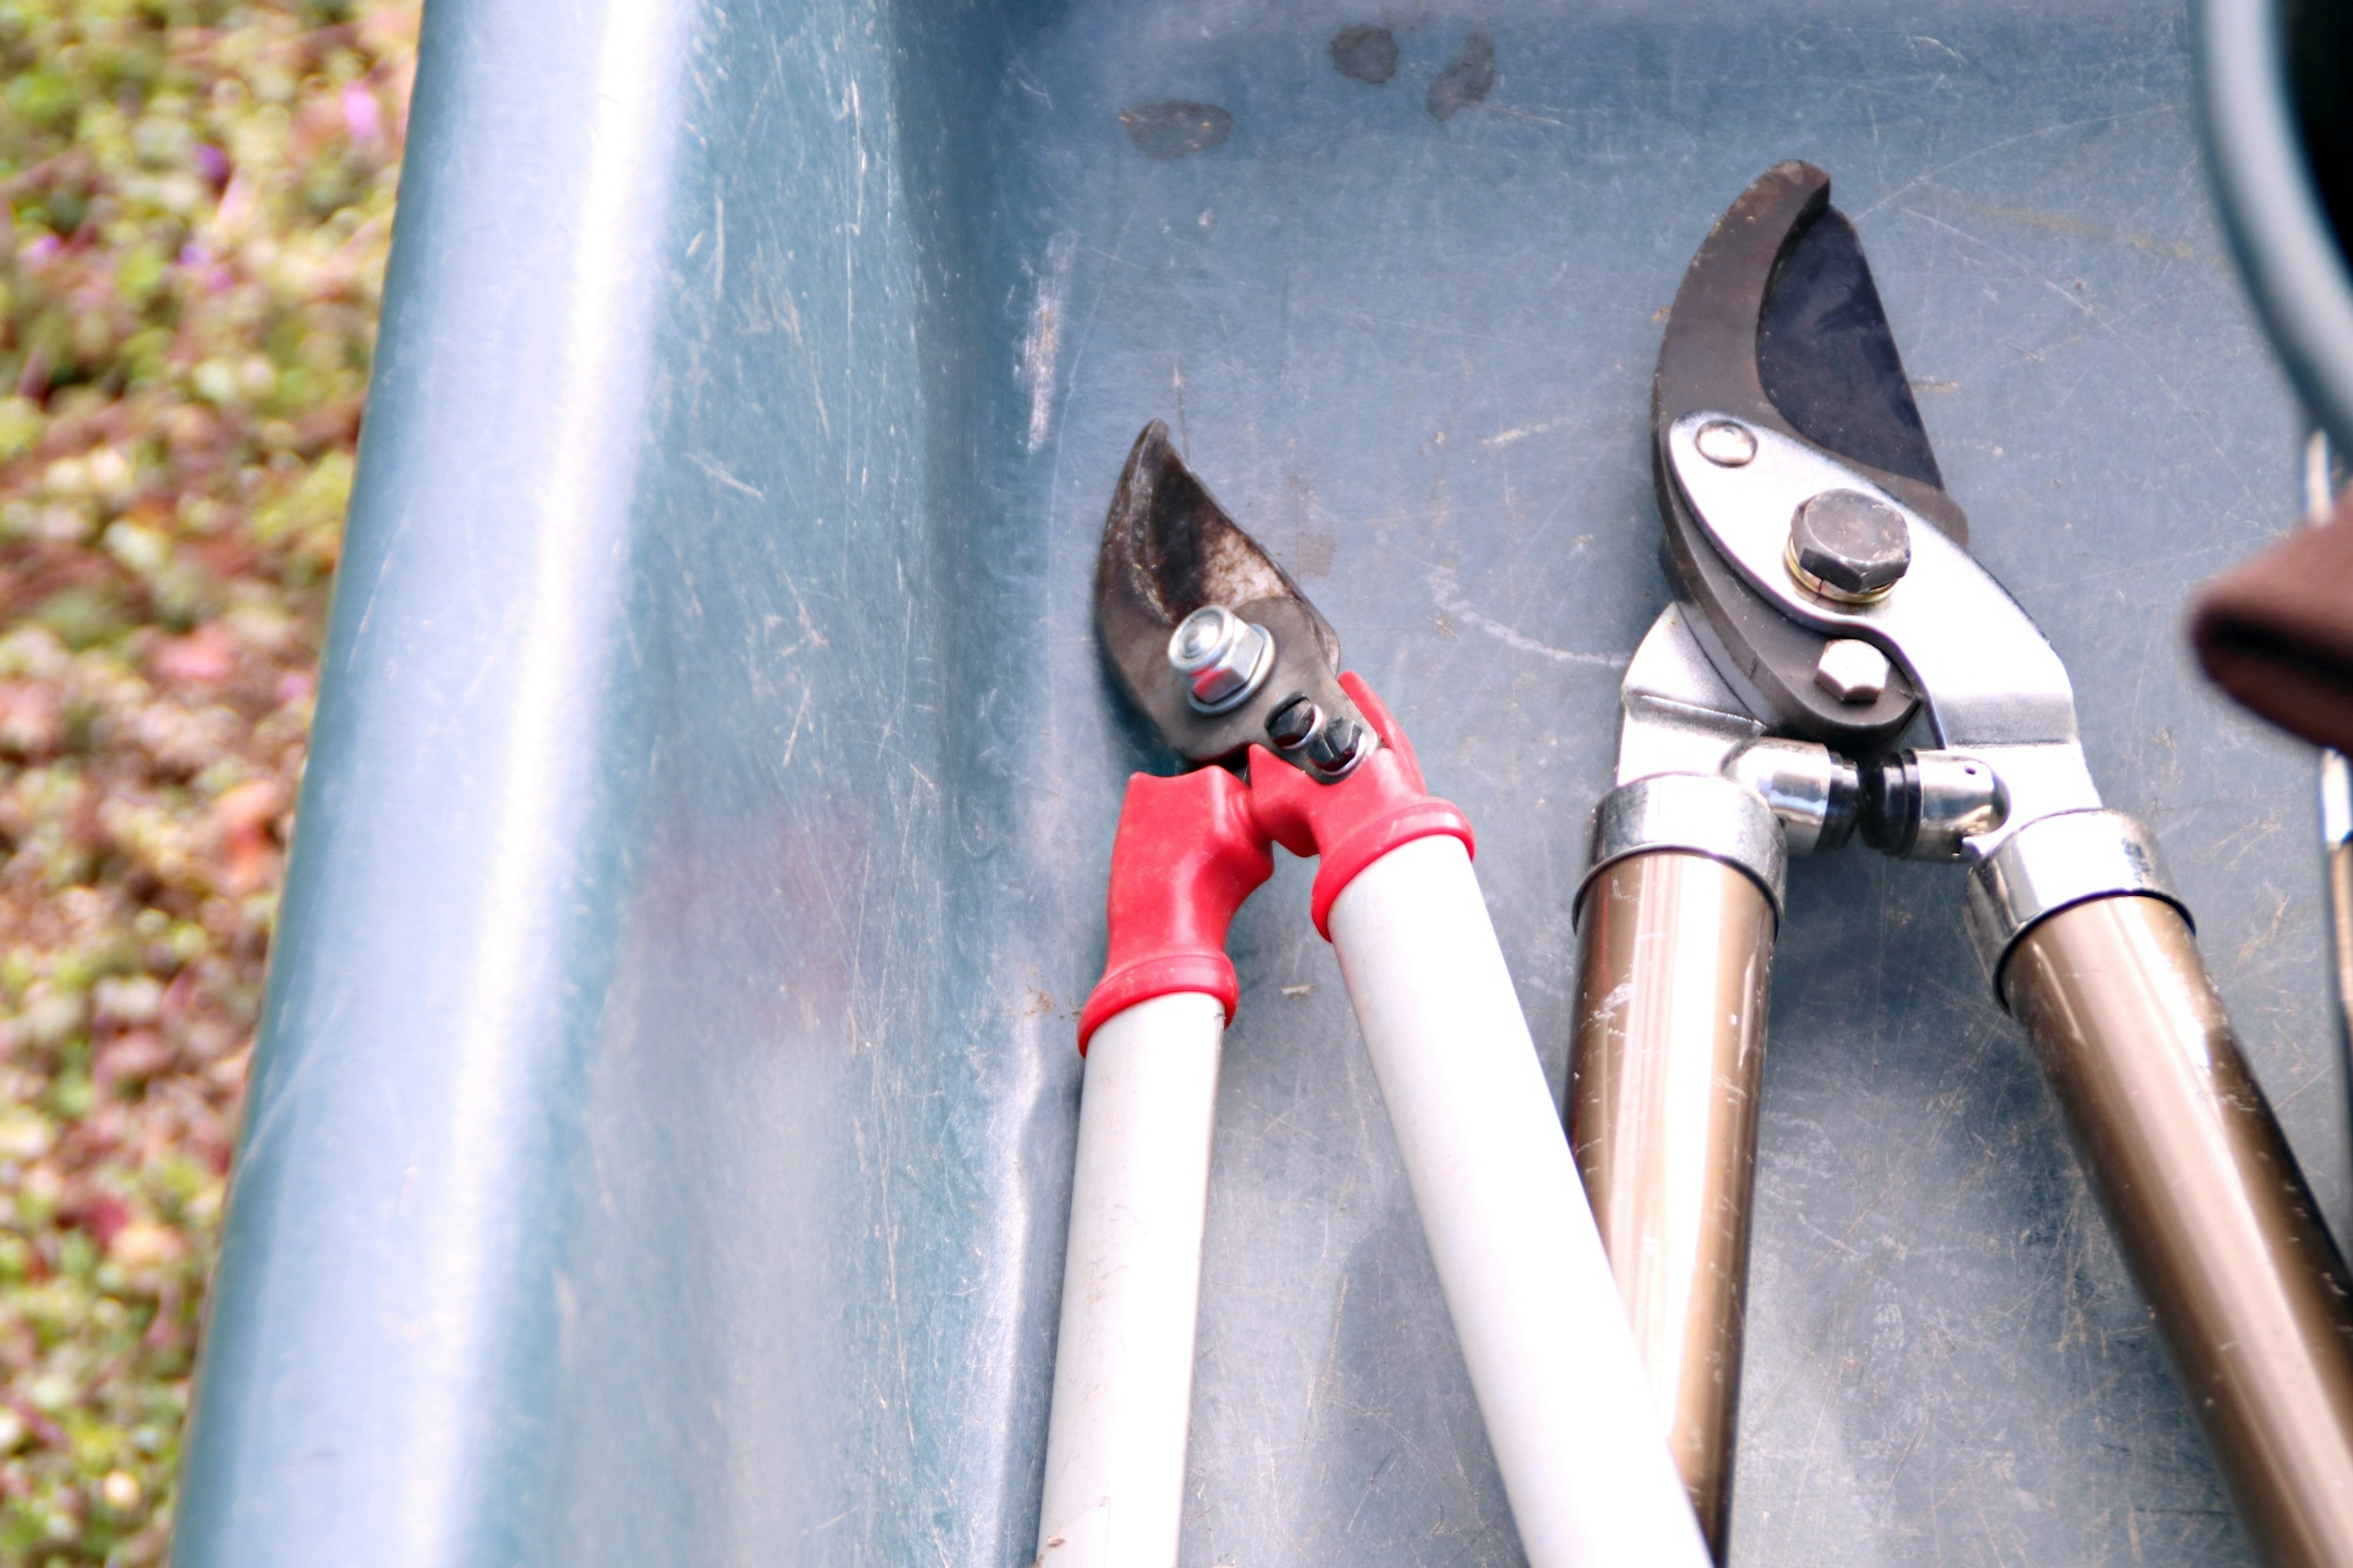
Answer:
(659, 1144)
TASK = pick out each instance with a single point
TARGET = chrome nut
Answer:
(1221, 657)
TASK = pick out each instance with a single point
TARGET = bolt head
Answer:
(1851, 670)
(1334, 750)
(1727, 443)
(1201, 636)
(1221, 657)
(1850, 545)
(1291, 722)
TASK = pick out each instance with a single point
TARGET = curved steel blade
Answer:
(1827, 361)
(1168, 548)
(1778, 323)
(1777, 320)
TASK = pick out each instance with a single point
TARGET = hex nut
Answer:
(1727, 443)
(1851, 670)
(1294, 722)
(1221, 657)
(1849, 545)
(1334, 750)
(1200, 635)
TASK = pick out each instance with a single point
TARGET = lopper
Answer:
(1836, 665)
(1216, 644)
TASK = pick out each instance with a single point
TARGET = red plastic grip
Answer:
(1192, 848)
(1188, 854)
(1352, 824)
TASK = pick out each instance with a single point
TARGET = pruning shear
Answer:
(1836, 665)
(1215, 643)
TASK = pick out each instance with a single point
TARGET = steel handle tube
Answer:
(1551, 1358)
(2340, 934)
(1131, 1288)
(2214, 1217)
(1675, 961)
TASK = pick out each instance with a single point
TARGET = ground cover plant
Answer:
(198, 195)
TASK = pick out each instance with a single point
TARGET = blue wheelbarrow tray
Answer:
(659, 1145)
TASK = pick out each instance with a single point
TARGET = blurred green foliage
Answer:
(198, 200)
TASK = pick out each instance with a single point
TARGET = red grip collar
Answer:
(1192, 848)
(1353, 823)
(1187, 856)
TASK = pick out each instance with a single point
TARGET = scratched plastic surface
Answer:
(660, 1145)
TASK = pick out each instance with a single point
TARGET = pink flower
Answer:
(362, 117)
(213, 277)
(206, 656)
(212, 163)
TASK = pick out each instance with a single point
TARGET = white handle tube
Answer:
(1131, 1286)
(1551, 1356)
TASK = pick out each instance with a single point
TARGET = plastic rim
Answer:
(2287, 251)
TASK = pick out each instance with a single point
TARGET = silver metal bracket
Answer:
(1697, 773)
(1990, 684)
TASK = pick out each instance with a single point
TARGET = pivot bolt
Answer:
(1289, 725)
(1222, 658)
(1848, 546)
(1851, 670)
(1726, 444)
(1335, 750)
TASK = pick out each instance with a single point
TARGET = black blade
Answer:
(1827, 361)
(1778, 324)
(1168, 548)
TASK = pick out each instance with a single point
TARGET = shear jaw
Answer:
(1696, 772)
(1210, 636)
(1993, 691)
(2006, 788)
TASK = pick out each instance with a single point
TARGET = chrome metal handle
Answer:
(2206, 1201)
(1675, 953)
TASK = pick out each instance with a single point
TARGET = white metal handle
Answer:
(1131, 1287)
(1552, 1358)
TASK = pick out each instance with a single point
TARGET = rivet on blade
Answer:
(1725, 443)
